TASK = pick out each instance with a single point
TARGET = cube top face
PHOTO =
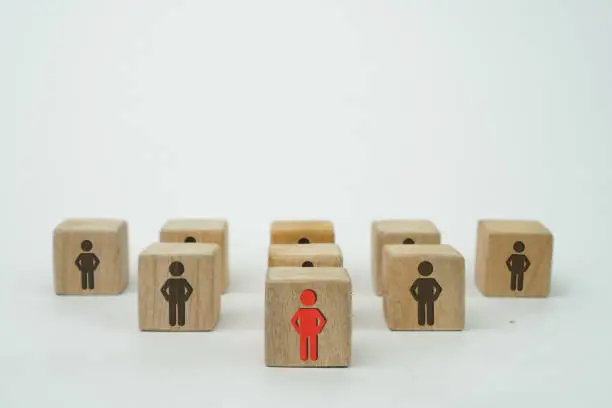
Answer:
(90, 256)
(514, 227)
(424, 287)
(309, 255)
(313, 225)
(195, 224)
(308, 318)
(405, 226)
(179, 249)
(302, 232)
(179, 287)
(90, 225)
(305, 275)
(394, 232)
(513, 258)
(431, 250)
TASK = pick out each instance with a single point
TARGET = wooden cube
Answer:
(395, 232)
(90, 256)
(308, 317)
(302, 232)
(513, 258)
(201, 230)
(307, 255)
(424, 287)
(179, 287)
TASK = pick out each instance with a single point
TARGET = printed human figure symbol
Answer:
(87, 262)
(425, 291)
(176, 291)
(309, 323)
(517, 264)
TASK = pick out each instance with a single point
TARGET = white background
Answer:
(342, 110)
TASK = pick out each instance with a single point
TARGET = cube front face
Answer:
(396, 232)
(178, 287)
(307, 255)
(201, 231)
(424, 287)
(90, 257)
(302, 232)
(513, 259)
(306, 301)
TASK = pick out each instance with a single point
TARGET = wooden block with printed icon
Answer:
(308, 317)
(424, 287)
(513, 258)
(302, 232)
(90, 256)
(395, 232)
(201, 230)
(305, 255)
(179, 288)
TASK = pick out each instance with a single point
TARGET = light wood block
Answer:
(424, 287)
(395, 232)
(513, 258)
(302, 232)
(90, 256)
(302, 296)
(200, 230)
(179, 287)
(305, 255)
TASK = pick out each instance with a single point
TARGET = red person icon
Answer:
(308, 322)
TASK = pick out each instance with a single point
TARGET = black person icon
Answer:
(176, 291)
(517, 264)
(87, 262)
(426, 291)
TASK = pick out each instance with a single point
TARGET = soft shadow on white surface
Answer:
(242, 312)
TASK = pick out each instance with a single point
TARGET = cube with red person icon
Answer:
(308, 317)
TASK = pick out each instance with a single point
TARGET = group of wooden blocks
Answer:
(308, 304)
(180, 279)
(308, 297)
(422, 281)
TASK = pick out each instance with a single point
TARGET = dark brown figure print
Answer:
(408, 241)
(176, 291)
(87, 262)
(303, 240)
(517, 264)
(190, 240)
(426, 291)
